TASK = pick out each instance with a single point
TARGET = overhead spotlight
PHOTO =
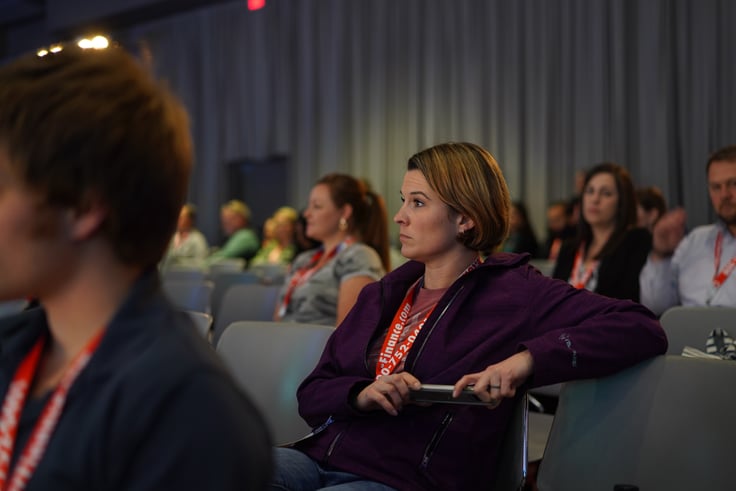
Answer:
(97, 42)
(42, 52)
(56, 48)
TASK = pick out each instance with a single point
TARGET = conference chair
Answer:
(247, 302)
(270, 274)
(181, 272)
(511, 469)
(190, 294)
(690, 326)
(269, 360)
(223, 280)
(227, 265)
(664, 424)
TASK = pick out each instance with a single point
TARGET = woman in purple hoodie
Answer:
(452, 316)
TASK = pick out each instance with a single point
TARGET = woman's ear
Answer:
(464, 224)
(347, 212)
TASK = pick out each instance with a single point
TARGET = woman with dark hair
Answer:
(609, 250)
(350, 222)
(449, 317)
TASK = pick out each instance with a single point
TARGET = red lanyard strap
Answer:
(719, 277)
(303, 274)
(578, 279)
(392, 352)
(44, 427)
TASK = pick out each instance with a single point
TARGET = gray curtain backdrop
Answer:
(548, 86)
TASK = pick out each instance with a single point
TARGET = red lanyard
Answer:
(13, 405)
(719, 277)
(303, 274)
(578, 279)
(392, 352)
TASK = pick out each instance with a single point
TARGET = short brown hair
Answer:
(469, 180)
(93, 125)
(725, 154)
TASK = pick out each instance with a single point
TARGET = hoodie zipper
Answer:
(332, 446)
(418, 349)
(434, 442)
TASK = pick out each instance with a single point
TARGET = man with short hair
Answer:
(105, 385)
(696, 269)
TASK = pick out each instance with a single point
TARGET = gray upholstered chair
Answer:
(666, 423)
(690, 326)
(269, 360)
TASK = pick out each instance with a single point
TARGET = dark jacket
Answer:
(486, 316)
(154, 409)
(618, 273)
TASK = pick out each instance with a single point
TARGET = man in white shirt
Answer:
(696, 269)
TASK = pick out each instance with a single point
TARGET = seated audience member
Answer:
(189, 245)
(609, 250)
(496, 325)
(105, 384)
(241, 241)
(350, 221)
(650, 207)
(558, 229)
(696, 269)
(279, 248)
(521, 235)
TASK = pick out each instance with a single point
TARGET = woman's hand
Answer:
(499, 380)
(389, 392)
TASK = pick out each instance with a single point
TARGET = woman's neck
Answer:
(333, 241)
(443, 272)
(600, 237)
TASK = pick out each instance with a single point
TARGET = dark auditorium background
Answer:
(284, 94)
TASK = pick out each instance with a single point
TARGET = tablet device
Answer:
(442, 394)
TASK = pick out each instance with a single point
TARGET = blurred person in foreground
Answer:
(449, 317)
(106, 385)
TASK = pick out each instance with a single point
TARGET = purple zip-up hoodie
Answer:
(500, 308)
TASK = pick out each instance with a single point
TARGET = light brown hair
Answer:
(468, 179)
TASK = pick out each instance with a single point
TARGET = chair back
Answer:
(511, 468)
(690, 326)
(190, 294)
(246, 302)
(270, 274)
(227, 265)
(269, 360)
(665, 423)
(183, 272)
(223, 280)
